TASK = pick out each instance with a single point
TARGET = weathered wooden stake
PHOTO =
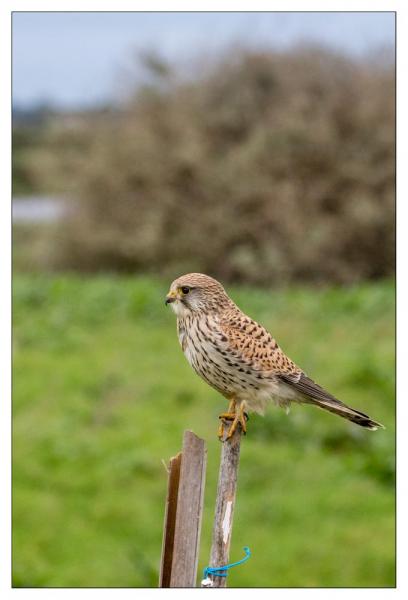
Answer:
(184, 506)
(224, 507)
(170, 521)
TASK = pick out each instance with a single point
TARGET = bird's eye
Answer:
(185, 289)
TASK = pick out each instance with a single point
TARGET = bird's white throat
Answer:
(179, 308)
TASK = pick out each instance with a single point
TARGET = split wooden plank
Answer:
(189, 512)
(170, 521)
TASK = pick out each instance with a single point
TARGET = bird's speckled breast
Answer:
(205, 348)
(200, 347)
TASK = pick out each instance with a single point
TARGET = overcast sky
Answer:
(74, 59)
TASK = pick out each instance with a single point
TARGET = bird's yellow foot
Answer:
(237, 418)
(223, 418)
(227, 416)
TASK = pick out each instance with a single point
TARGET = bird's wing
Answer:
(303, 384)
(317, 395)
(253, 344)
(250, 343)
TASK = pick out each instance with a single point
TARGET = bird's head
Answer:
(195, 292)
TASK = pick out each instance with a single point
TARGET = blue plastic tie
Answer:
(223, 571)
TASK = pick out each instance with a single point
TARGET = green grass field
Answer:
(102, 394)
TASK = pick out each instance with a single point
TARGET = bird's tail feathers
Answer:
(314, 394)
(349, 413)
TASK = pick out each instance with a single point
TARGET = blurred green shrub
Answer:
(264, 167)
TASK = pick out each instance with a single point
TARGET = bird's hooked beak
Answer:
(171, 297)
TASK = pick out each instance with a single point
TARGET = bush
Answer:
(267, 167)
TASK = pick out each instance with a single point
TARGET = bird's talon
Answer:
(221, 431)
(227, 416)
(237, 418)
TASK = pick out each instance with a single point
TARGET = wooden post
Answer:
(224, 508)
(184, 506)
(170, 521)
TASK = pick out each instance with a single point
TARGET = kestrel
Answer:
(240, 359)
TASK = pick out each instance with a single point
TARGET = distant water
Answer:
(38, 209)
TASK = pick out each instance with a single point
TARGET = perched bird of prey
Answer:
(240, 359)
